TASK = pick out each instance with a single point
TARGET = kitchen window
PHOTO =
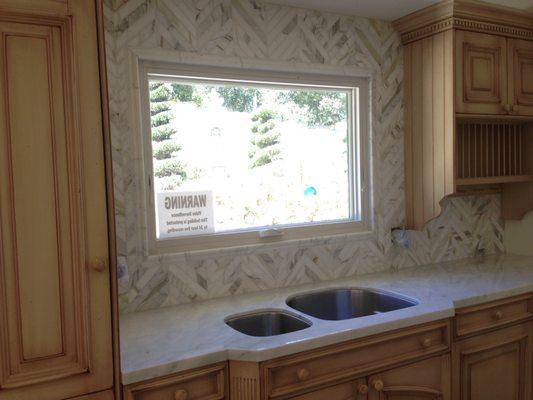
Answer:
(235, 157)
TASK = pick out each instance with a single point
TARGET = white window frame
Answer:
(358, 150)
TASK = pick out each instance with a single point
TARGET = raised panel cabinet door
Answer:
(424, 380)
(353, 390)
(520, 55)
(481, 73)
(494, 366)
(55, 327)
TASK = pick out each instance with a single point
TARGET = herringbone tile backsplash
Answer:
(253, 30)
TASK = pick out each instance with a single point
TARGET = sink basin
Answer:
(267, 323)
(339, 304)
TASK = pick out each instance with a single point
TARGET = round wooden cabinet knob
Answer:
(426, 343)
(498, 315)
(302, 374)
(181, 395)
(507, 107)
(362, 388)
(378, 385)
(98, 264)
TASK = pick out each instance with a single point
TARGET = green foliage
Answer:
(161, 118)
(263, 116)
(265, 156)
(161, 133)
(239, 99)
(321, 108)
(156, 108)
(165, 150)
(161, 97)
(186, 94)
(160, 91)
(265, 139)
(170, 167)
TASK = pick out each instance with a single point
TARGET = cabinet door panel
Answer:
(345, 391)
(424, 380)
(55, 326)
(521, 76)
(494, 366)
(481, 73)
(42, 243)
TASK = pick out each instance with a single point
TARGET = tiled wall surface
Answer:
(252, 30)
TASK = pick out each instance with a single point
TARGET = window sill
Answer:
(177, 256)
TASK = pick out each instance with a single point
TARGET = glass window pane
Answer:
(260, 155)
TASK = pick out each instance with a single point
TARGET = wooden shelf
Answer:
(490, 180)
(484, 118)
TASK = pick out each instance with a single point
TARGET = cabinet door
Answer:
(353, 390)
(494, 366)
(481, 73)
(520, 55)
(55, 331)
(424, 380)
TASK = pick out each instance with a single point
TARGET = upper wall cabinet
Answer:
(481, 65)
(55, 310)
(468, 106)
(494, 74)
(520, 56)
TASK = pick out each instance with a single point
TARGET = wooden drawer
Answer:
(344, 391)
(488, 316)
(292, 374)
(201, 384)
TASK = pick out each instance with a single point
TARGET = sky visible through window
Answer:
(269, 155)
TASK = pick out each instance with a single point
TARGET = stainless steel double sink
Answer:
(331, 305)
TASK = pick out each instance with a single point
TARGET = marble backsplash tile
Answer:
(285, 36)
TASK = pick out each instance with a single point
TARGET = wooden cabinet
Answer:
(481, 68)
(498, 314)
(424, 380)
(207, 383)
(495, 365)
(468, 107)
(288, 376)
(353, 390)
(489, 356)
(520, 56)
(55, 310)
(494, 74)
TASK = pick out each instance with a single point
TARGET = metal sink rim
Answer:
(412, 302)
(306, 323)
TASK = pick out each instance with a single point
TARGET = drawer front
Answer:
(204, 384)
(293, 374)
(351, 390)
(472, 320)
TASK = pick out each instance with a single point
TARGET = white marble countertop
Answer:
(160, 342)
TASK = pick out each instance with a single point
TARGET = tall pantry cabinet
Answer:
(55, 296)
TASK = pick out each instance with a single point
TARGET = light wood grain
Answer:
(207, 383)
(244, 380)
(430, 127)
(470, 63)
(351, 359)
(107, 395)
(520, 61)
(481, 70)
(343, 391)
(55, 330)
(486, 317)
(424, 380)
(495, 365)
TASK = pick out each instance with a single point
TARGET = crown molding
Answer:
(467, 15)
